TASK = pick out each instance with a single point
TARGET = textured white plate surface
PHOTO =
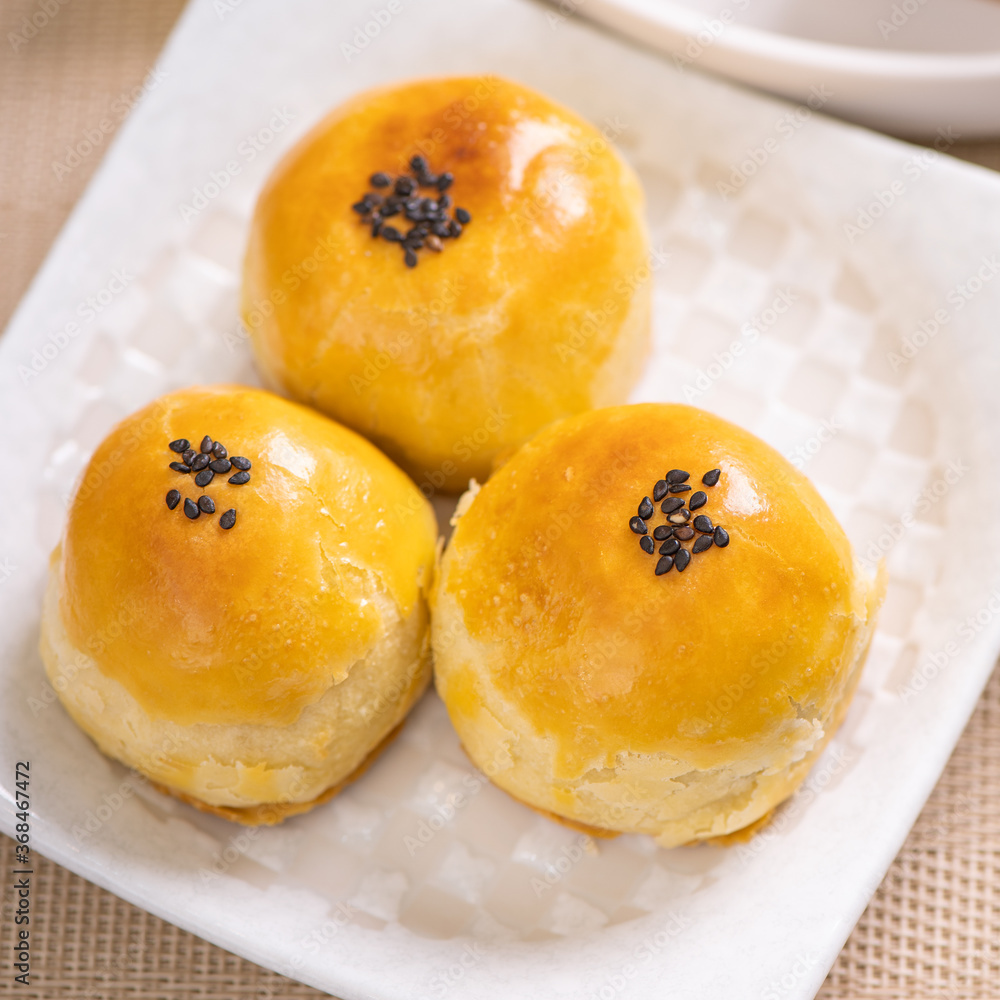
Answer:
(789, 299)
(910, 67)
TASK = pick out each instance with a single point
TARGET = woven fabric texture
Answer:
(933, 927)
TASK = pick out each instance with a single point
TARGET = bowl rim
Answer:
(801, 53)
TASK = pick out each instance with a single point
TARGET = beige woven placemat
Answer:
(933, 928)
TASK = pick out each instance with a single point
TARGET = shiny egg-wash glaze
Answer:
(540, 309)
(258, 664)
(685, 705)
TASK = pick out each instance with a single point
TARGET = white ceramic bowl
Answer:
(910, 67)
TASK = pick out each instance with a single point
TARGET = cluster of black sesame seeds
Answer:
(206, 462)
(429, 218)
(682, 525)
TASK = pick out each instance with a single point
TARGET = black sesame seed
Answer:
(173, 498)
(188, 457)
(702, 543)
(685, 533)
(240, 478)
(721, 537)
(664, 565)
(200, 462)
(711, 478)
(662, 531)
(679, 516)
(204, 477)
(646, 544)
(206, 504)
(704, 524)
(219, 450)
(671, 504)
(191, 509)
(645, 510)
(430, 215)
(180, 445)
(697, 500)
(207, 444)
(679, 487)
(177, 467)
(677, 476)
(669, 547)
(638, 525)
(221, 466)
(681, 560)
(228, 519)
(241, 463)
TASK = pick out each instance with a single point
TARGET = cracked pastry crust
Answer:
(259, 666)
(685, 706)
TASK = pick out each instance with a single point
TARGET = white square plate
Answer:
(807, 262)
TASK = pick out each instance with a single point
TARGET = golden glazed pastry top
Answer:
(250, 624)
(537, 311)
(602, 655)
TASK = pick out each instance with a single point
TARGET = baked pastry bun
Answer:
(627, 666)
(538, 309)
(246, 642)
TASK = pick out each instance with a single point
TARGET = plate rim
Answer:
(232, 942)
